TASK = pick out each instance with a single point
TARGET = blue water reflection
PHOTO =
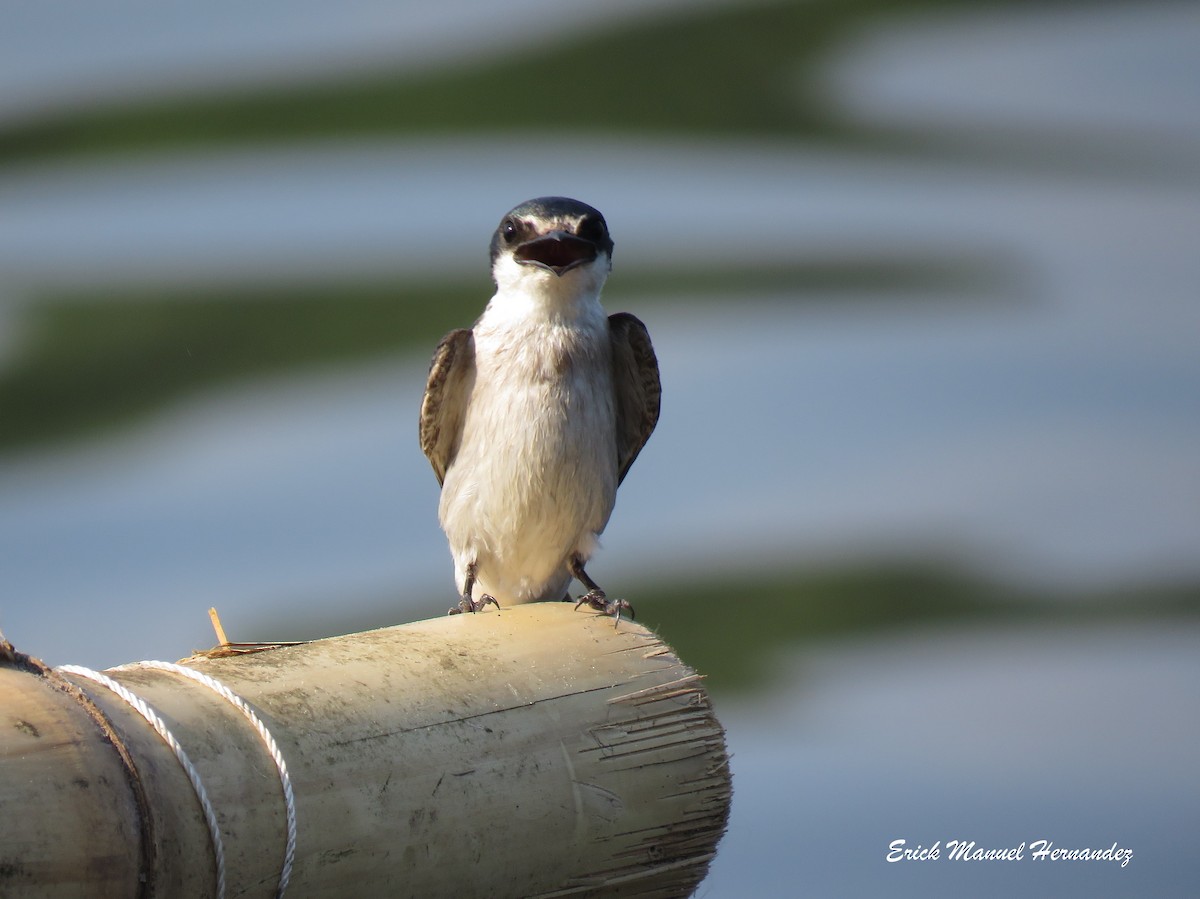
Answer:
(1040, 425)
(1080, 735)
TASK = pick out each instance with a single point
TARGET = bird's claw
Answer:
(597, 600)
(466, 604)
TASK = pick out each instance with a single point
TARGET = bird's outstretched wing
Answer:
(451, 374)
(638, 390)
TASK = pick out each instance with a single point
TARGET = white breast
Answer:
(535, 476)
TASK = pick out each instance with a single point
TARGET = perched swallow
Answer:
(532, 417)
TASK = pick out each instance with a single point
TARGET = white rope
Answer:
(140, 706)
(285, 780)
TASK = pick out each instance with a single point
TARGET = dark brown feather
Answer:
(637, 386)
(444, 406)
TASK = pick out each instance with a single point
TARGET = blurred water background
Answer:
(924, 281)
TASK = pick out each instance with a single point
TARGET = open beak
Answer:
(558, 251)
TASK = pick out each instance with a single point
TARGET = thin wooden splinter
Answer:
(216, 623)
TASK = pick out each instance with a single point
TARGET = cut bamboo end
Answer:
(535, 751)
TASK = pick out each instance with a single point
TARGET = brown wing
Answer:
(451, 374)
(638, 390)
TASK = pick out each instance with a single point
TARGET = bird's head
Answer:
(552, 244)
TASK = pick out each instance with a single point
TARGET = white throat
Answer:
(529, 293)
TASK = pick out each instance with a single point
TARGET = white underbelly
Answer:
(534, 480)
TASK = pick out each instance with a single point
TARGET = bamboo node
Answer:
(143, 708)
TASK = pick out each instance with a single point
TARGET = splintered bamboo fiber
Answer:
(535, 751)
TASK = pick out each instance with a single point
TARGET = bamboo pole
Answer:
(536, 751)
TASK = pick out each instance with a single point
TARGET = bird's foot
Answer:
(601, 603)
(466, 604)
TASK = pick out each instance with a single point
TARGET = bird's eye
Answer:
(510, 230)
(591, 228)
